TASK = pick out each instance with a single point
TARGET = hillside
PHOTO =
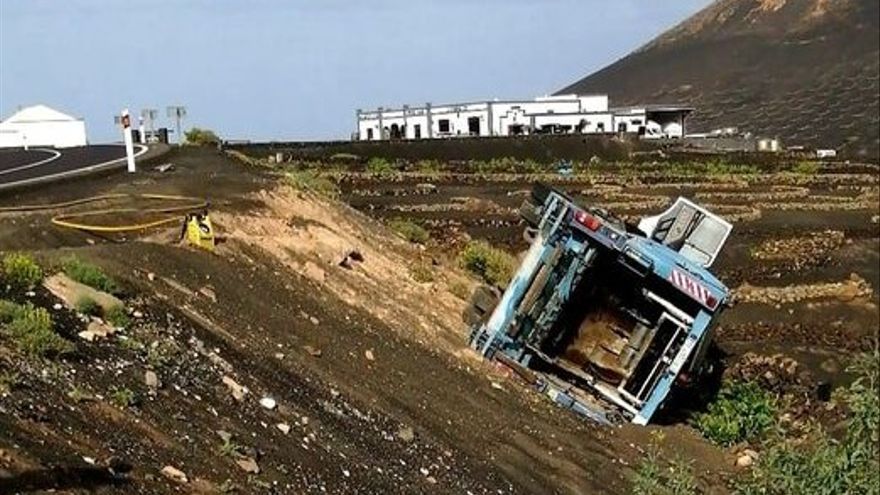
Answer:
(803, 70)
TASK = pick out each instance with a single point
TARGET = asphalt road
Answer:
(20, 167)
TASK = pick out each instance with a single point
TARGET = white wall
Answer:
(61, 134)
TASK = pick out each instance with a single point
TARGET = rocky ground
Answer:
(286, 363)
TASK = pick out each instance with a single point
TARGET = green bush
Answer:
(428, 167)
(88, 306)
(822, 463)
(379, 166)
(89, 274)
(308, 180)
(741, 412)
(493, 265)
(117, 316)
(31, 330)
(21, 270)
(410, 230)
(201, 137)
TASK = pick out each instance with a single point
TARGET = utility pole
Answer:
(124, 120)
(177, 112)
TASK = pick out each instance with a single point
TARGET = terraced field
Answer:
(803, 257)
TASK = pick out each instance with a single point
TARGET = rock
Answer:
(406, 433)
(224, 435)
(238, 392)
(497, 386)
(87, 336)
(313, 351)
(369, 355)
(248, 464)
(314, 272)
(268, 403)
(432, 480)
(70, 291)
(174, 474)
(746, 458)
(151, 276)
(57, 306)
(209, 293)
(314, 321)
(152, 379)
(283, 428)
(137, 314)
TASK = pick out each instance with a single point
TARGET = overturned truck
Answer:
(603, 316)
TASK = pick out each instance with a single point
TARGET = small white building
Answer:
(40, 125)
(563, 114)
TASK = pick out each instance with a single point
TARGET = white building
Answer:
(564, 114)
(40, 125)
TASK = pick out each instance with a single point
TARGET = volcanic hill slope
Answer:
(803, 70)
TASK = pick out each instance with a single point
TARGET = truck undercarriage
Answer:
(599, 316)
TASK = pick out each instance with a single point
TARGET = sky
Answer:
(298, 69)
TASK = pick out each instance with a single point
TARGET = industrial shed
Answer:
(40, 125)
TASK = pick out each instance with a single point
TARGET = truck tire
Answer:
(530, 213)
(481, 305)
(540, 192)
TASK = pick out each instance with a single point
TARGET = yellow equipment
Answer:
(198, 231)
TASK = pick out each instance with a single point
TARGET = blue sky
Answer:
(298, 69)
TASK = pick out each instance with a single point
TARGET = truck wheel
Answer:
(482, 303)
(530, 213)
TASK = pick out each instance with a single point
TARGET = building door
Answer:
(417, 131)
(621, 127)
(474, 126)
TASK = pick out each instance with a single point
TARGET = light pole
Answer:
(149, 115)
(177, 112)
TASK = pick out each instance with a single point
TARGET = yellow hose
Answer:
(67, 220)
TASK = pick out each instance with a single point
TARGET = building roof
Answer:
(39, 113)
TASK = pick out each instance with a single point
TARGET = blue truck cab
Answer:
(603, 316)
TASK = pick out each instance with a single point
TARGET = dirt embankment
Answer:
(371, 389)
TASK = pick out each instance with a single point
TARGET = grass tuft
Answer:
(21, 270)
(89, 274)
(493, 265)
(31, 330)
(311, 181)
(410, 231)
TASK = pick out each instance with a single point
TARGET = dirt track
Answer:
(273, 311)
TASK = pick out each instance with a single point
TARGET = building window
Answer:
(443, 125)
(474, 126)
(637, 122)
(370, 134)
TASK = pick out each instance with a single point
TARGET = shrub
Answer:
(410, 231)
(493, 265)
(651, 477)
(460, 290)
(428, 167)
(821, 463)
(21, 270)
(310, 181)
(741, 412)
(421, 273)
(117, 316)
(123, 397)
(89, 274)
(379, 166)
(88, 306)
(201, 137)
(806, 167)
(31, 330)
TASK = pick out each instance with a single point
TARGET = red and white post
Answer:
(129, 144)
